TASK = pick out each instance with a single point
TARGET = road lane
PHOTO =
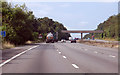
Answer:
(64, 58)
(101, 51)
(43, 59)
(89, 61)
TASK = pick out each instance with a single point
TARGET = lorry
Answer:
(52, 37)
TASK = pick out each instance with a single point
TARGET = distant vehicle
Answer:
(40, 36)
(70, 38)
(73, 40)
(49, 38)
(63, 40)
(52, 37)
(76, 38)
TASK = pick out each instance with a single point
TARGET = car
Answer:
(63, 40)
(73, 40)
(76, 38)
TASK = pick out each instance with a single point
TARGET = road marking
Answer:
(75, 66)
(64, 57)
(59, 52)
(82, 48)
(44, 43)
(95, 52)
(112, 56)
(85, 49)
(16, 56)
(57, 49)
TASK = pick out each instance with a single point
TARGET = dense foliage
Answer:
(110, 28)
(21, 25)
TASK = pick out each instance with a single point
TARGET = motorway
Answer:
(65, 58)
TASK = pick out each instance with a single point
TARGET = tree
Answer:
(21, 25)
(110, 28)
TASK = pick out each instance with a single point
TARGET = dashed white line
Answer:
(59, 52)
(85, 49)
(75, 66)
(64, 57)
(44, 43)
(16, 56)
(95, 52)
(112, 56)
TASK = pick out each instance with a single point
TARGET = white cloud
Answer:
(65, 5)
(39, 6)
(41, 10)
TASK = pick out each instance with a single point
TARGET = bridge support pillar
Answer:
(81, 36)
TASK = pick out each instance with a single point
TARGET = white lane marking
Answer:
(59, 52)
(64, 57)
(44, 43)
(75, 66)
(5, 62)
(57, 49)
(95, 52)
(112, 56)
(85, 49)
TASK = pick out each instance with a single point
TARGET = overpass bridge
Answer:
(82, 31)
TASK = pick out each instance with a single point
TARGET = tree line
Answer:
(110, 27)
(21, 25)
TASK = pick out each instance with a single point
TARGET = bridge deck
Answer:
(82, 31)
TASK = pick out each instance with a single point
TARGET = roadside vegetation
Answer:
(21, 25)
(7, 45)
(110, 27)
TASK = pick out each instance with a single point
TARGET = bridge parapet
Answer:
(82, 31)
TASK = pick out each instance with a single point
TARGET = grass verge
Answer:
(107, 39)
(7, 45)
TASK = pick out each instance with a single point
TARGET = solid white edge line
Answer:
(75, 66)
(5, 62)
(64, 57)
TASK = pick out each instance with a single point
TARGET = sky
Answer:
(74, 15)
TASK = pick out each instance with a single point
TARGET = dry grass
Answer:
(101, 44)
(7, 45)
(29, 42)
(107, 39)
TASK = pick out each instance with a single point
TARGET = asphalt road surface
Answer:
(65, 58)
